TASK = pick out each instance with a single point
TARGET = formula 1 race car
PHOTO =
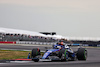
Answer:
(59, 53)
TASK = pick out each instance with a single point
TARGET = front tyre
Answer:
(82, 54)
(35, 52)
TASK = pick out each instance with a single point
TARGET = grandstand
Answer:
(23, 35)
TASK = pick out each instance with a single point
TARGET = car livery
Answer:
(58, 53)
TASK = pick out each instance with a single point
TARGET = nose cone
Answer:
(48, 53)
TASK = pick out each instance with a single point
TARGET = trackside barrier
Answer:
(76, 44)
(36, 43)
(7, 42)
(43, 43)
(85, 45)
(98, 45)
(92, 45)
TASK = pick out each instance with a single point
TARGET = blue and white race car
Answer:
(59, 52)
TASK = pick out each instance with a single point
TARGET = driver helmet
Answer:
(61, 43)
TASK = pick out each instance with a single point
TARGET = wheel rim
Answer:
(85, 54)
(65, 54)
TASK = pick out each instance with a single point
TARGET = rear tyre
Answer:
(82, 54)
(35, 52)
(63, 55)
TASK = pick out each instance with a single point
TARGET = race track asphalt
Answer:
(93, 60)
(23, 47)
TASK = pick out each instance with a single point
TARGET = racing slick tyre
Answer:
(82, 54)
(35, 52)
(63, 54)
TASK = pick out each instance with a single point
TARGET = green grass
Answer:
(12, 54)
